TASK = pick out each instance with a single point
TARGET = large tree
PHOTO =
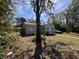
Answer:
(67, 14)
(72, 15)
(41, 6)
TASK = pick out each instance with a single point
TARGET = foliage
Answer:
(44, 6)
(72, 19)
(5, 15)
(20, 21)
(5, 25)
(19, 25)
(56, 23)
(4, 7)
(76, 28)
(72, 16)
(5, 40)
(5, 21)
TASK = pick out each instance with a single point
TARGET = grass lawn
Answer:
(25, 44)
(72, 40)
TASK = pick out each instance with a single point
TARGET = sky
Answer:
(27, 12)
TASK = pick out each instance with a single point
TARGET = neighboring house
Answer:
(30, 28)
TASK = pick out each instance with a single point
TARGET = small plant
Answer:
(43, 38)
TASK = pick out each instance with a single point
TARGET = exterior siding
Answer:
(30, 28)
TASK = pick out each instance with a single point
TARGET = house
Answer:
(30, 28)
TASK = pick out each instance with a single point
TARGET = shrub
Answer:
(5, 40)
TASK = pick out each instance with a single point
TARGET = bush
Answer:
(76, 28)
(5, 40)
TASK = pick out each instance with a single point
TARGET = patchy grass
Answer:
(72, 34)
(25, 44)
(72, 40)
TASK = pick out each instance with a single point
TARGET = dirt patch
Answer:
(52, 48)
(56, 50)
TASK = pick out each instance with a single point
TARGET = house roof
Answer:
(28, 23)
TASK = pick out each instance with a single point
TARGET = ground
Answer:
(71, 39)
(27, 47)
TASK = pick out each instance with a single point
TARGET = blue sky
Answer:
(26, 11)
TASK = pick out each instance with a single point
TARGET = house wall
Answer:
(30, 29)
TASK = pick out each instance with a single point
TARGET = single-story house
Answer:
(30, 28)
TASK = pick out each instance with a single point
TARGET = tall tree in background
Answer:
(67, 16)
(70, 18)
(73, 12)
(20, 21)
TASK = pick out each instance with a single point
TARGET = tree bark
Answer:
(67, 24)
(38, 33)
(38, 50)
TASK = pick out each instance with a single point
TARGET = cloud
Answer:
(62, 5)
(26, 11)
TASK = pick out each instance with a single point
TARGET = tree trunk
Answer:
(67, 24)
(38, 34)
(38, 49)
